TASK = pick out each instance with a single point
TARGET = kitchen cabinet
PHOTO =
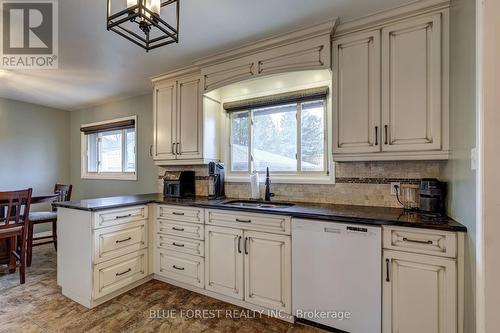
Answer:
(254, 266)
(412, 84)
(422, 281)
(267, 270)
(357, 108)
(308, 49)
(224, 261)
(392, 90)
(179, 244)
(185, 131)
(420, 293)
(102, 254)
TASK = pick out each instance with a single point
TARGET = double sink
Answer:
(256, 204)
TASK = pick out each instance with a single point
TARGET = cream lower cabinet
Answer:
(224, 261)
(421, 291)
(249, 265)
(102, 254)
(267, 270)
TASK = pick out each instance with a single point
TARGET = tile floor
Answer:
(39, 306)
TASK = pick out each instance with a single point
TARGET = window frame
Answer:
(85, 174)
(282, 177)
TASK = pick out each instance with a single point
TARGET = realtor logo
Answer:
(29, 34)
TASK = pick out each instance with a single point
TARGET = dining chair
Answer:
(14, 212)
(63, 194)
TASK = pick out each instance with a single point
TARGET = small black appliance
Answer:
(215, 180)
(179, 184)
(432, 195)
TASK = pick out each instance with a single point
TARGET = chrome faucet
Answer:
(268, 194)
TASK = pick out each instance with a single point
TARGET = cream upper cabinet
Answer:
(356, 63)
(419, 293)
(185, 132)
(305, 49)
(224, 261)
(391, 90)
(164, 101)
(412, 84)
(268, 270)
(189, 118)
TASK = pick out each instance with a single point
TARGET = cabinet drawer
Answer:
(117, 273)
(181, 244)
(178, 213)
(181, 267)
(113, 217)
(249, 221)
(116, 241)
(433, 242)
(182, 229)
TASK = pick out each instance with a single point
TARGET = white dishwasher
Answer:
(337, 275)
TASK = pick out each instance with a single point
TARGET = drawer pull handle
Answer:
(243, 221)
(177, 229)
(178, 245)
(387, 278)
(417, 241)
(123, 216)
(122, 273)
(124, 240)
(179, 268)
(177, 213)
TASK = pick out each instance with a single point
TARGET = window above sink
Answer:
(282, 122)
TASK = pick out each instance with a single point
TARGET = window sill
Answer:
(284, 179)
(111, 176)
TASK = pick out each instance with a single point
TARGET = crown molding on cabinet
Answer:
(389, 16)
(267, 44)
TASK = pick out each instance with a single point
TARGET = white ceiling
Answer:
(97, 66)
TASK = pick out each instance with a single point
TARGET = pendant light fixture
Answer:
(141, 23)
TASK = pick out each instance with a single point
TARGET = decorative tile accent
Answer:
(353, 180)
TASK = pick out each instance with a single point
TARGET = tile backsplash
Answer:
(357, 183)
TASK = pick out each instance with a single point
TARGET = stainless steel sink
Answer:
(256, 204)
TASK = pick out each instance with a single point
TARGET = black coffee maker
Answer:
(432, 195)
(215, 180)
(179, 184)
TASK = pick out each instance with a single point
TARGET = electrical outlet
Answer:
(393, 188)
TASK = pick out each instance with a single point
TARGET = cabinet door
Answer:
(164, 106)
(356, 62)
(419, 293)
(228, 72)
(412, 84)
(189, 119)
(268, 270)
(224, 261)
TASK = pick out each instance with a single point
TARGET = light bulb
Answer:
(155, 6)
(131, 3)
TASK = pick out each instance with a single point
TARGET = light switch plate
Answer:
(473, 159)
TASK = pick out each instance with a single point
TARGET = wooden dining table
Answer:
(5, 256)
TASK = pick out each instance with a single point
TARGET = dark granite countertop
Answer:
(326, 212)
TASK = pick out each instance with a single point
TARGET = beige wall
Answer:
(489, 177)
(146, 179)
(461, 178)
(34, 148)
